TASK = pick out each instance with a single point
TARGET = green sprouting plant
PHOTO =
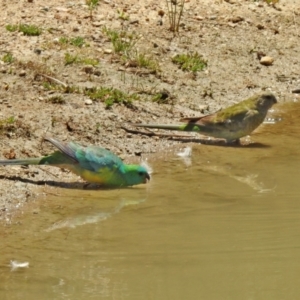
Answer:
(50, 85)
(8, 58)
(47, 86)
(67, 89)
(30, 30)
(161, 97)
(53, 121)
(110, 96)
(77, 41)
(12, 28)
(16, 126)
(6, 124)
(123, 42)
(175, 11)
(272, 1)
(56, 99)
(92, 5)
(71, 59)
(98, 127)
(89, 61)
(143, 61)
(72, 89)
(122, 15)
(9, 120)
(190, 62)
(63, 40)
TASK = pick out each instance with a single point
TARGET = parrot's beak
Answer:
(147, 178)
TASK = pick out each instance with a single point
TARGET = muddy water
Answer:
(223, 225)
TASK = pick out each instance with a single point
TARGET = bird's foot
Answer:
(86, 185)
(236, 142)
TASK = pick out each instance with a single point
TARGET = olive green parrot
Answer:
(230, 123)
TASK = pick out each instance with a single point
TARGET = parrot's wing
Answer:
(223, 119)
(90, 158)
(196, 119)
(236, 121)
(94, 158)
(192, 119)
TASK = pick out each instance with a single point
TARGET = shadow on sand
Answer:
(65, 185)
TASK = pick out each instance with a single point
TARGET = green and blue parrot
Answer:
(93, 164)
(231, 123)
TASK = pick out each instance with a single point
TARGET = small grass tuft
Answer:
(8, 58)
(190, 62)
(271, 1)
(56, 99)
(71, 59)
(30, 30)
(92, 5)
(48, 86)
(35, 66)
(69, 89)
(110, 96)
(72, 89)
(143, 61)
(161, 97)
(9, 120)
(63, 40)
(77, 41)
(89, 61)
(124, 45)
(75, 59)
(122, 15)
(12, 28)
(7, 125)
(123, 42)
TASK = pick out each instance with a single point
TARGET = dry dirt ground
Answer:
(44, 94)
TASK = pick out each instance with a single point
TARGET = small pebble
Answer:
(199, 18)
(260, 26)
(237, 19)
(37, 51)
(88, 69)
(296, 91)
(22, 73)
(98, 23)
(266, 60)
(88, 102)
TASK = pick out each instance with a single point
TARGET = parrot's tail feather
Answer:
(162, 126)
(23, 162)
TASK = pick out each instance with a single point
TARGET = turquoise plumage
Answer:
(93, 164)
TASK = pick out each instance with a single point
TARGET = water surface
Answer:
(225, 225)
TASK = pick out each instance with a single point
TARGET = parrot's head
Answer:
(265, 101)
(136, 174)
